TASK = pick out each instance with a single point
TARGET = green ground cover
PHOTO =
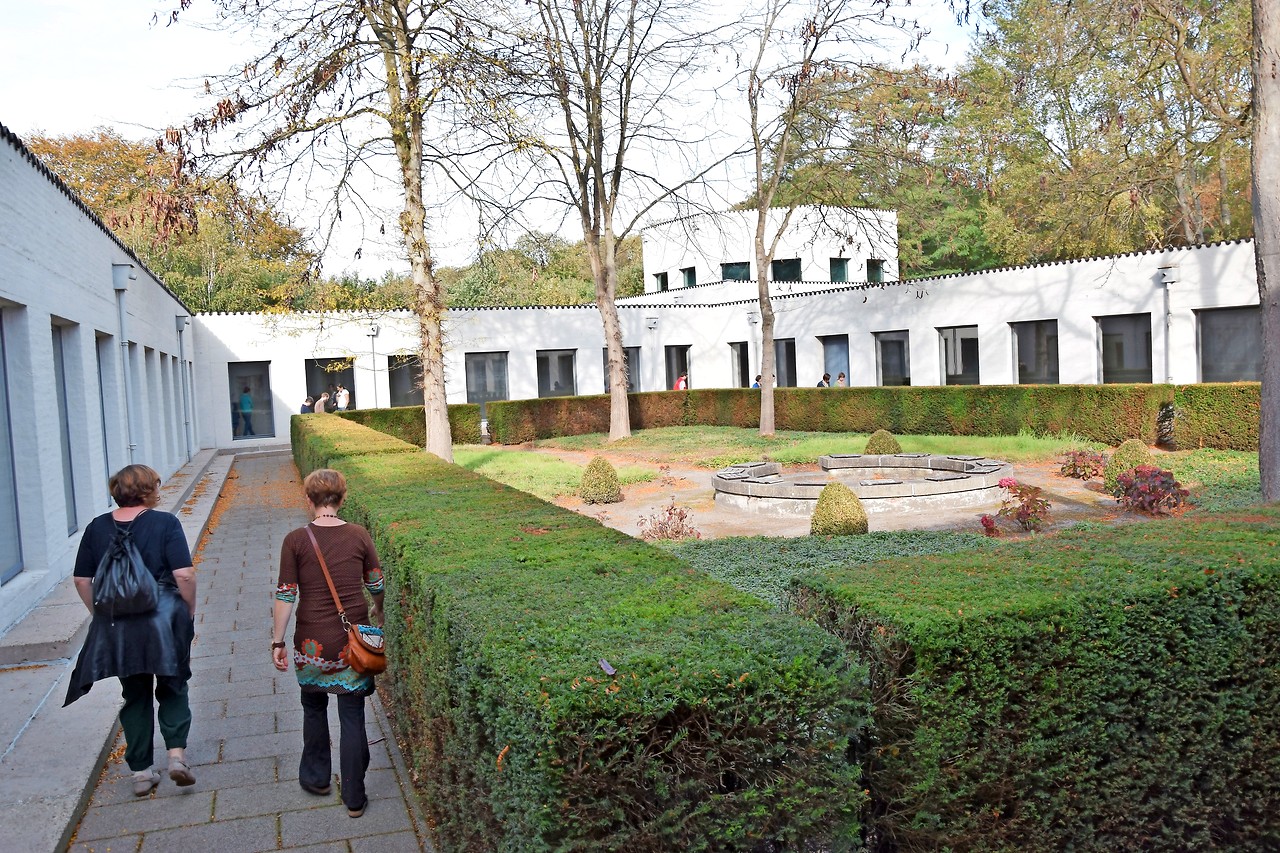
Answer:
(538, 474)
(715, 447)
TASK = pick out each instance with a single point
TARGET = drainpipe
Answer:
(121, 275)
(1168, 276)
(182, 321)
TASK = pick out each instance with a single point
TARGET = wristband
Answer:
(275, 646)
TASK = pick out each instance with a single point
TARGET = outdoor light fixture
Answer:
(752, 318)
(373, 359)
(651, 322)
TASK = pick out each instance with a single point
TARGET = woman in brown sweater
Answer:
(319, 636)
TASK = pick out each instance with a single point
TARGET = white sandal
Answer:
(145, 781)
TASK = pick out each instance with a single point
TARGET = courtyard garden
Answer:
(1104, 681)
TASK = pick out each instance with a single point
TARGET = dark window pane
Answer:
(1126, 348)
(1230, 344)
(1035, 349)
(736, 271)
(787, 269)
(959, 354)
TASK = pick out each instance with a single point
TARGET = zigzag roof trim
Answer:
(52, 176)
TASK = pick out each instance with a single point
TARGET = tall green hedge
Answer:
(1223, 416)
(408, 422)
(1108, 689)
(725, 725)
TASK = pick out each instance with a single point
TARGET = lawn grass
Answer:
(715, 447)
(539, 474)
(763, 566)
(1217, 479)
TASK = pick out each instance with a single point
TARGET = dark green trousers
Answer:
(138, 717)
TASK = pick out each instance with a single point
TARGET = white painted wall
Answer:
(56, 269)
(814, 235)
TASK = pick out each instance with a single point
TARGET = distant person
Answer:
(682, 383)
(841, 382)
(308, 406)
(149, 652)
(825, 381)
(343, 398)
(756, 384)
(246, 411)
(321, 402)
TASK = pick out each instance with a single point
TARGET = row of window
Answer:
(155, 401)
(1229, 349)
(786, 269)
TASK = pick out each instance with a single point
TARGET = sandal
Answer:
(145, 781)
(180, 773)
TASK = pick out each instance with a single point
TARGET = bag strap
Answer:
(337, 602)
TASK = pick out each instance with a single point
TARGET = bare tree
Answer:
(785, 90)
(1266, 230)
(603, 88)
(338, 88)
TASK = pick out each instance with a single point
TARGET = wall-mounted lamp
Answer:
(752, 318)
(651, 323)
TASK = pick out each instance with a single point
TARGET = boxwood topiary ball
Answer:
(882, 443)
(839, 512)
(600, 483)
(1128, 456)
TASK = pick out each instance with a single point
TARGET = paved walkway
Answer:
(246, 733)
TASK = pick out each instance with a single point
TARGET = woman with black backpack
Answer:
(133, 571)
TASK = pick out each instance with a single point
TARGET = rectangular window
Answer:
(404, 377)
(249, 387)
(784, 361)
(835, 358)
(556, 376)
(64, 428)
(739, 353)
(486, 378)
(10, 542)
(1035, 352)
(630, 364)
(1126, 347)
(106, 389)
(690, 275)
(660, 279)
(677, 363)
(786, 269)
(875, 270)
(959, 354)
(893, 358)
(839, 269)
(1230, 344)
(736, 271)
(324, 375)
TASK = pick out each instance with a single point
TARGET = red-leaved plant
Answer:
(671, 523)
(1083, 464)
(1150, 489)
(1024, 504)
(989, 525)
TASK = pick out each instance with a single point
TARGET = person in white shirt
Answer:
(342, 398)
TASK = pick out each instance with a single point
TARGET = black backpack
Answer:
(123, 586)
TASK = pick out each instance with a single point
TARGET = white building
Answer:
(75, 405)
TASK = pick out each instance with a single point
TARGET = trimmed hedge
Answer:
(319, 440)
(409, 423)
(1224, 416)
(1109, 689)
(726, 725)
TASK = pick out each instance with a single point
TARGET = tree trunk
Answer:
(605, 268)
(1266, 230)
(405, 121)
(768, 361)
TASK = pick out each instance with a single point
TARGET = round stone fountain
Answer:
(901, 481)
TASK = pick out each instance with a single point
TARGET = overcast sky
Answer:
(69, 66)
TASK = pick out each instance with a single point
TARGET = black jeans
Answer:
(316, 766)
(138, 717)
